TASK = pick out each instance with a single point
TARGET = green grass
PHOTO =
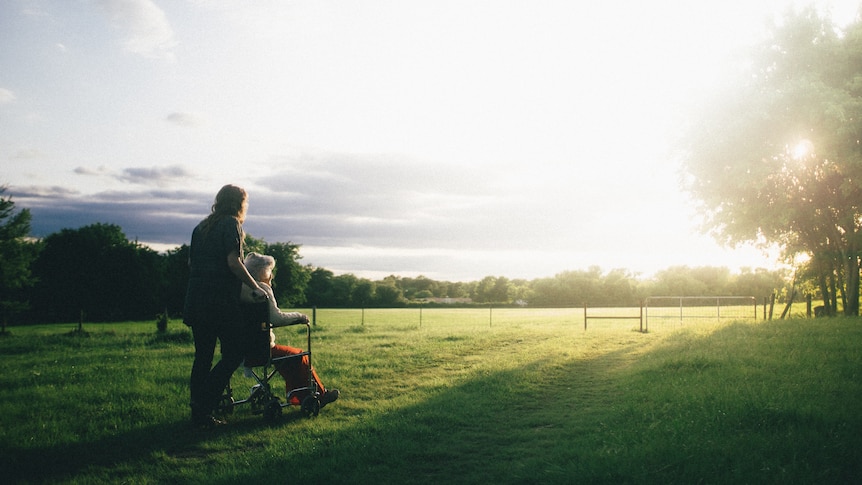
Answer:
(468, 396)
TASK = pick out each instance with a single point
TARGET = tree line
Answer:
(96, 274)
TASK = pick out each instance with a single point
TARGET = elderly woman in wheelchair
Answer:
(303, 386)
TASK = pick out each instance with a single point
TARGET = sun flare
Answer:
(802, 150)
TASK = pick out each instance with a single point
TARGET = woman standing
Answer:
(217, 274)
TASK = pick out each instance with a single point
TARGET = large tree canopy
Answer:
(16, 254)
(96, 273)
(776, 158)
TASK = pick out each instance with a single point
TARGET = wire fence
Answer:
(678, 310)
(655, 313)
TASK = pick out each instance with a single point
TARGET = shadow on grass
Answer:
(734, 406)
(461, 433)
(500, 427)
(125, 453)
(725, 407)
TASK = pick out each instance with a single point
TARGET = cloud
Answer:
(474, 245)
(29, 154)
(185, 119)
(371, 214)
(325, 199)
(150, 216)
(341, 200)
(6, 96)
(34, 192)
(34, 12)
(147, 30)
(158, 175)
(98, 171)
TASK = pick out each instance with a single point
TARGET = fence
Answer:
(616, 316)
(653, 311)
(441, 317)
(476, 317)
(677, 309)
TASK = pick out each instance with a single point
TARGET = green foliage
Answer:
(345, 291)
(776, 158)
(15, 252)
(175, 264)
(319, 292)
(16, 255)
(253, 245)
(533, 401)
(571, 288)
(289, 279)
(389, 295)
(492, 289)
(97, 271)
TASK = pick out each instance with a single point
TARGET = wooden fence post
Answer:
(585, 316)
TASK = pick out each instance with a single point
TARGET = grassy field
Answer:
(453, 396)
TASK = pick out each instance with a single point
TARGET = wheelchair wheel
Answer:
(225, 406)
(272, 411)
(310, 406)
(259, 399)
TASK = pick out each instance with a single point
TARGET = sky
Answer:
(450, 139)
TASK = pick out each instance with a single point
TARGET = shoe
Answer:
(329, 396)
(207, 421)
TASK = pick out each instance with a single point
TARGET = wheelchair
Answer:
(263, 367)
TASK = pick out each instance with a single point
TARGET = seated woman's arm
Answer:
(277, 317)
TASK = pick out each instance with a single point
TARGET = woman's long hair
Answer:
(231, 201)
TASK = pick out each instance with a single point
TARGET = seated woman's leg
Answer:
(295, 372)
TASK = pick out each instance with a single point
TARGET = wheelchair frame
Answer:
(261, 398)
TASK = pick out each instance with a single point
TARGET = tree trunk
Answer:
(824, 279)
(789, 303)
(851, 273)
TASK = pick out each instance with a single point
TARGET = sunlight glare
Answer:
(802, 150)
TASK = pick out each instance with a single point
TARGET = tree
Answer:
(388, 295)
(501, 291)
(520, 291)
(251, 244)
(95, 273)
(759, 283)
(363, 293)
(290, 279)
(777, 159)
(320, 287)
(176, 271)
(343, 287)
(16, 255)
(419, 287)
(484, 291)
(570, 288)
(618, 288)
(455, 290)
